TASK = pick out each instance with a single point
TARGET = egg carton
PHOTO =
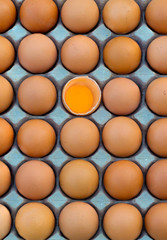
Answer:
(100, 200)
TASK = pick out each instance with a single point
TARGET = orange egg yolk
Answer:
(79, 98)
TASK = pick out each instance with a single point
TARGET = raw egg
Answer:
(5, 179)
(7, 15)
(37, 53)
(79, 179)
(80, 16)
(121, 16)
(35, 179)
(6, 94)
(156, 16)
(36, 138)
(78, 221)
(38, 15)
(123, 180)
(7, 55)
(121, 96)
(156, 221)
(157, 54)
(122, 136)
(5, 220)
(156, 179)
(123, 221)
(157, 137)
(6, 136)
(81, 96)
(80, 54)
(79, 137)
(35, 221)
(156, 96)
(122, 55)
(37, 95)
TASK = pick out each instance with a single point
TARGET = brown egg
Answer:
(122, 221)
(157, 137)
(121, 16)
(81, 96)
(156, 96)
(121, 96)
(79, 137)
(122, 136)
(156, 16)
(37, 53)
(122, 55)
(6, 94)
(78, 221)
(35, 180)
(5, 179)
(156, 221)
(7, 15)
(157, 54)
(123, 180)
(156, 179)
(80, 16)
(37, 95)
(80, 54)
(7, 55)
(6, 136)
(79, 179)
(39, 15)
(34, 221)
(5, 220)
(36, 138)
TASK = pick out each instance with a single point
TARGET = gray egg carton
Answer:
(59, 116)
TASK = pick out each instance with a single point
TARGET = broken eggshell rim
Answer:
(95, 105)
